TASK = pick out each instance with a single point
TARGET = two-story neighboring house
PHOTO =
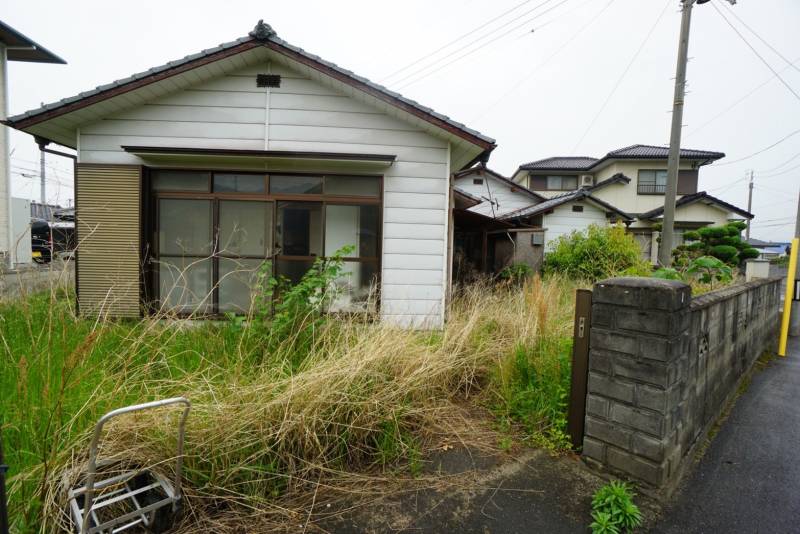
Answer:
(631, 181)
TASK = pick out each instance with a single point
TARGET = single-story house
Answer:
(193, 174)
(567, 213)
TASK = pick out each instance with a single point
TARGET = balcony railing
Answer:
(652, 189)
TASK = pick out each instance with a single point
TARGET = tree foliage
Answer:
(724, 243)
(595, 253)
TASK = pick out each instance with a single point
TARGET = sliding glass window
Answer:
(214, 231)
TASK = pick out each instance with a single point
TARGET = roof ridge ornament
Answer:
(262, 31)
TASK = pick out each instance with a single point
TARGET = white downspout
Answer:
(5, 164)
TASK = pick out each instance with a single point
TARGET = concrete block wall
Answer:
(662, 365)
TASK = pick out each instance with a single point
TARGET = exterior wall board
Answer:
(564, 221)
(108, 227)
(230, 112)
(505, 199)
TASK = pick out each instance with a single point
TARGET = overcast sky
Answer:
(540, 79)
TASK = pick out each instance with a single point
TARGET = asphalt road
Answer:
(749, 479)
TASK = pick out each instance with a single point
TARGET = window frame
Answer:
(561, 182)
(649, 187)
(150, 283)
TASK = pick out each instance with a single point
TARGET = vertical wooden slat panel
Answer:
(108, 224)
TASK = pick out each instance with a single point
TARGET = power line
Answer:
(782, 164)
(754, 154)
(764, 61)
(790, 169)
(764, 41)
(462, 56)
(545, 62)
(622, 76)
(737, 102)
(726, 187)
(457, 39)
(481, 38)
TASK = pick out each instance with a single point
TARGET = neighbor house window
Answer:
(213, 232)
(562, 183)
(652, 182)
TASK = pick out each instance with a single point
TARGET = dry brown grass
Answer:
(264, 437)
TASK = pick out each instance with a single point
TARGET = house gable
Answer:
(59, 121)
(499, 194)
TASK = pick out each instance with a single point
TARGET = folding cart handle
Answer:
(88, 499)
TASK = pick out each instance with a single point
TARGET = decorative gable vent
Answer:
(268, 80)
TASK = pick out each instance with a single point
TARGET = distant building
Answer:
(46, 212)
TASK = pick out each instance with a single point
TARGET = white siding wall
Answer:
(231, 112)
(505, 200)
(563, 220)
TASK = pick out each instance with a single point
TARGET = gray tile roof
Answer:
(561, 163)
(661, 152)
(225, 46)
(696, 197)
(482, 168)
(558, 200)
(583, 163)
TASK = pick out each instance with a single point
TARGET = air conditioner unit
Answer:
(587, 180)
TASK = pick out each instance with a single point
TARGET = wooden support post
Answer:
(484, 251)
(576, 414)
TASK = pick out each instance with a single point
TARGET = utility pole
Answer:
(42, 196)
(671, 192)
(792, 278)
(749, 206)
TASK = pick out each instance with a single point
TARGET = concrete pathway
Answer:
(749, 478)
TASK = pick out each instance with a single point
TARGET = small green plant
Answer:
(708, 269)
(296, 312)
(668, 273)
(704, 270)
(595, 253)
(516, 273)
(613, 510)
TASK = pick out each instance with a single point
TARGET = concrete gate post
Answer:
(638, 355)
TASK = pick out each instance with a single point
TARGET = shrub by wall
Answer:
(595, 253)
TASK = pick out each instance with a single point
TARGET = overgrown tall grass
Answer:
(265, 425)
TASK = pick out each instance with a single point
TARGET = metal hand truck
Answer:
(133, 497)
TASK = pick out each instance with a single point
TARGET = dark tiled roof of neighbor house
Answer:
(698, 197)
(481, 168)
(560, 163)
(262, 34)
(660, 152)
(572, 196)
(618, 178)
(582, 163)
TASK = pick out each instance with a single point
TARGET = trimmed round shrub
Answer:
(748, 253)
(713, 232)
(696, 245)
(726, 253)
(739, 225)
